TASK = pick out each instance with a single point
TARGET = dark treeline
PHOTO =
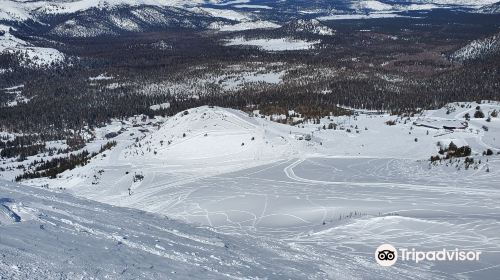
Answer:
(52, 167)
(74, 106)
(55, 166)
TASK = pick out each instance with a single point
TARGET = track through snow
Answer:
(332, 200)
(81, 239)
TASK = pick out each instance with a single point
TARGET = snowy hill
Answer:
(322, 206)
(478, 49)
(93, 23)
(371, 5)
(390, 5)
(28, 53)
(197, 143)
(22, 10)
(49, 235)
(470, 3)
(87, 18)
(490, 9)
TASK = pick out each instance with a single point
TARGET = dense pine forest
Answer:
(398, 66)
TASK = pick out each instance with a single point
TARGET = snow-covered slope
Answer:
(371, 5)
(394, 6)
(331, 200)
(477, 49)
(28, 54)
(86, 19)
(246, 25)
(50, 235)
(22, 10)
(490, 9)
(470, 3)
(94, 23)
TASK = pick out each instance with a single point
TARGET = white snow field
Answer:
(326, 204)
(281, 44)
(249, 25)
(33, 56)
(50, 235)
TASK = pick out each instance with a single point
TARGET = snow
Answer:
(262, 7)
(150, 15)
(379, 7)
(374, 5)
(124, 23)
(13, 10)
(383, 7)
(478, 49)
(226, 3)
(371, 5)
(233, 82)
(244, 26)
(19, 98)
(49, 235)
(101, 77)
(418, 7)
(477, 3)
(31, 55)
(160, 106)
(313, 26)
(281, 44)
(72, 28)
(222, 13)
(360, 16)
(324, 204)
(12, 212)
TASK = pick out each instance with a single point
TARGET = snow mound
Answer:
(212, 134)
(12, 212)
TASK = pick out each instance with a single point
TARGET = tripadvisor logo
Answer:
(387, 255)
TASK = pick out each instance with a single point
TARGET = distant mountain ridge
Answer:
(490, 9)
(15, 10)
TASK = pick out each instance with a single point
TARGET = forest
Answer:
(399, 66)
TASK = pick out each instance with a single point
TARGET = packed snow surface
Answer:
(51, 235)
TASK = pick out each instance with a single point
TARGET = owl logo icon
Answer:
(386, 255)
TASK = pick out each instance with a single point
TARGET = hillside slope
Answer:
(51, 235)
(478, 49)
